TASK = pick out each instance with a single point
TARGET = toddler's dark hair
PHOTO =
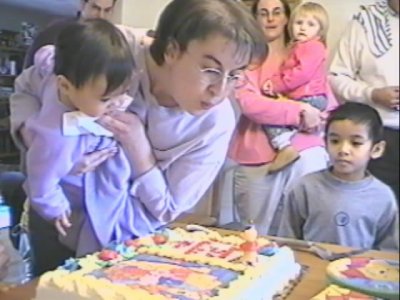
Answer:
(88, 49)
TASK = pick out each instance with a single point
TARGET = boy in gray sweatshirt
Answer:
(345, 204)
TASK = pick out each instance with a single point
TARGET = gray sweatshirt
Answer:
(323, 208)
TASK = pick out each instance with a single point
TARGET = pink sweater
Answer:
(250, 144)
(304, 72)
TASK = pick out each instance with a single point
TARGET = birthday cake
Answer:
(177, 264)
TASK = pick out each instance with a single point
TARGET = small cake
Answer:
(177, 264)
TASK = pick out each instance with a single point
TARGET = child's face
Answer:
(305, 28)
(350, 148)
(90, 98)
(204, 74)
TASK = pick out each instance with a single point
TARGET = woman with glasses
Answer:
(257, 194)
(177, 130)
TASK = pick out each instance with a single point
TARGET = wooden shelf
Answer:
(8, 155)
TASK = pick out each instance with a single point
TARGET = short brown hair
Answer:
(183, 21)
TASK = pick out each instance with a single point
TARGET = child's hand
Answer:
(268, 88)
(62, 223)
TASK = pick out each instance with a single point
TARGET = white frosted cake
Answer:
(176, 265)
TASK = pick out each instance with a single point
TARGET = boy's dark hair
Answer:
(90, 48)
(358, 113)
(184, 21)
(287, 12)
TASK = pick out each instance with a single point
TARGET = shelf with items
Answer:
(9, 154)
(12, 54)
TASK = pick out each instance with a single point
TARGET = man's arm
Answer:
(346, 64)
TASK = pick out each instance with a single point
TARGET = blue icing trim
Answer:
(170, 282)
(71, 265)
(269, 251)
(224, 276)
(121, 249)
(180, 297)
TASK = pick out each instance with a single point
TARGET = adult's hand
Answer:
(386, 96)
(129, 131)
(311, 118)
(90, 161)
(4, 260)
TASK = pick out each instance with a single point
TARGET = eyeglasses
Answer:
(215, 76)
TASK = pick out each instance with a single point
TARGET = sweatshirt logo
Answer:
(342, 219)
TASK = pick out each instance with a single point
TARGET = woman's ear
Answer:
(378, 149)
(172, 51)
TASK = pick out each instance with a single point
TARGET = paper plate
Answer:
(376, 277)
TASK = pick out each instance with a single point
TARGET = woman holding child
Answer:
(257, 194)
(176, 133)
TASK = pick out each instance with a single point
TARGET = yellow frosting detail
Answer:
(88, 286)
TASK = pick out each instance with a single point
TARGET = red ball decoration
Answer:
(159, 239)
(108, 255)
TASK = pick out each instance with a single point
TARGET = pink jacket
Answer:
(250, 144)
(304, 72)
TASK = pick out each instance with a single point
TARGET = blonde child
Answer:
(302, 76)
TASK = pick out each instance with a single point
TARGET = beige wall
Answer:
(340, 13)
(139, 13)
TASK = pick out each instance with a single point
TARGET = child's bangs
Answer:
(119, 73)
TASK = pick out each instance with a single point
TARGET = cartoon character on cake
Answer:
(250, 246)
(370, 273)
(334, 292)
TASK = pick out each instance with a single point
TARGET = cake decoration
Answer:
(250, 246)
(71, 264)
(160, 238)
(374, 277)
(178, 264)
(334, 292)
(108, 255)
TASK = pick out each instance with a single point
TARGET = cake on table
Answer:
(177, 264)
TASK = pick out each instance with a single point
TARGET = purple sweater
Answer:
(189, 150)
